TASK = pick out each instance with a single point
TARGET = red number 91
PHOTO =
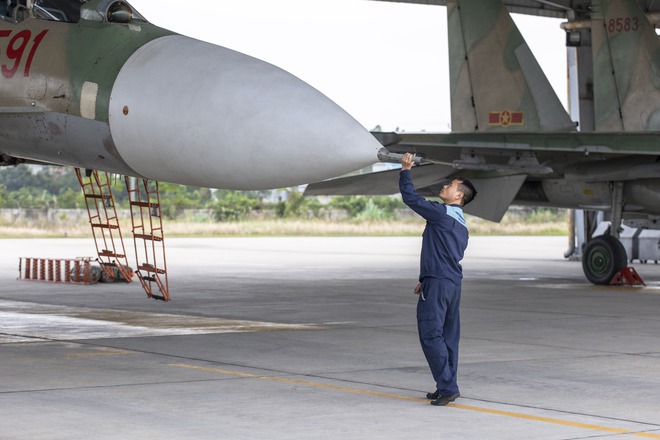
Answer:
(16, 49)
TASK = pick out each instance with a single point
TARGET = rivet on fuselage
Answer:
(125, 110)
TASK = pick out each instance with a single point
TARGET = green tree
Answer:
(71, 199)
(294, 205)
(373, 212)
(26, 187)
(353, 205)
(21, 176)
(3, 196)
(298, 206)
(368, 207)
(234, 205)
(175, 198)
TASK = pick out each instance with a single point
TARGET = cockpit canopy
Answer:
(70, 11)
(57, 10)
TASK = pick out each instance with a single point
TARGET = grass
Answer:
(513, 223)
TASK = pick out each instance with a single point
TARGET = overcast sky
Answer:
(385, 63)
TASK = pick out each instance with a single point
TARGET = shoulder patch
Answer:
(456, 213)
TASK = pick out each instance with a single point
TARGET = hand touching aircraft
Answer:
(514, 140)
(93, 84)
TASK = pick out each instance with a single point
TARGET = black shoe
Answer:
(443, 400)
(433, 396)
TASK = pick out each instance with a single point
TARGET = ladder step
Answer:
(102, 214)
(111, 255)
(98, 196)
(104, 225)
(144, 204)
(141, 198)
(150, 268)
(148, 237)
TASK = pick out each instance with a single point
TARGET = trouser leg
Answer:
(438, 323)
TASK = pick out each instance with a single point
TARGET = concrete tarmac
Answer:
(315, 338)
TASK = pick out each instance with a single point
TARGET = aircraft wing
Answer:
(496, 192)
(511, 135)
(520, 151)
(498, 164)
(378, 183)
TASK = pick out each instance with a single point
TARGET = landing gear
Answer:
(603, 257)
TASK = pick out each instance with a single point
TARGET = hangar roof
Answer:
(547, 8)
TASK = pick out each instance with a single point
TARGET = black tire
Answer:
(105, 278)
(602, 258)
(94, 274)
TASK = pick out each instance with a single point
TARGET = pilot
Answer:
(443, 245)
(5, 8)
(12, 5)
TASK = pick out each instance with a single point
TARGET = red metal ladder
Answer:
(148, 229)
(105, 224)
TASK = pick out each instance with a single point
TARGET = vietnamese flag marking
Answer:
(505, 118)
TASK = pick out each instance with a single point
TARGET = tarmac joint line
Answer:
(415, 399)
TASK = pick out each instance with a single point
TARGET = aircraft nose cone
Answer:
(190, 112)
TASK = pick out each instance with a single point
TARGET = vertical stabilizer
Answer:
(626, 58)
(496, 83)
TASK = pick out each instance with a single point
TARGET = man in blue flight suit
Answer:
(443, 244)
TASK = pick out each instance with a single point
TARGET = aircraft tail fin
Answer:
(626, 59)
(496, 83)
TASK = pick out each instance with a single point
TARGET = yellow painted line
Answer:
(298, 382)
(414, 399)
(553, 421)
(104, 352)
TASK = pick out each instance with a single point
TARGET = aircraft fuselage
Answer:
(56, 88)
(110, 91)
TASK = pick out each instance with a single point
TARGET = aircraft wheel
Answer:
(602, 258)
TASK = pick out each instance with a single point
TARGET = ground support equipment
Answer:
(148, 236)
(105, 224)
(627, 276)
(51, 270)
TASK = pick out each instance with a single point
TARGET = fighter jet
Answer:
(92, 84)
(514, 140)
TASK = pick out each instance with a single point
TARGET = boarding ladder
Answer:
(105, 224)
(148, 231)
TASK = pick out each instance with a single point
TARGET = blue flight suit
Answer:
(443, 245)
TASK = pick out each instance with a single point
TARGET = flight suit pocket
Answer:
(427, 315)
(428, 328)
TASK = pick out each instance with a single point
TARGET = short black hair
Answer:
(468, 190)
